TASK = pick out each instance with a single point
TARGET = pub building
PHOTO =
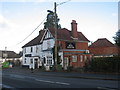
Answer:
(73, 48)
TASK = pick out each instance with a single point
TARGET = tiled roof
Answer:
(103, 42)
(65, 34)
(10, 54)
(36, 40)
(62, 34)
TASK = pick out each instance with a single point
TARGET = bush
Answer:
(104, 64)
(69, 68)
(57, 68)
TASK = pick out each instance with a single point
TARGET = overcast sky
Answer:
(18, 18)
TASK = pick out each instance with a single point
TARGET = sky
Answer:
(18, 18)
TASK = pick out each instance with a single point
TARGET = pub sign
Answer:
(70, 45)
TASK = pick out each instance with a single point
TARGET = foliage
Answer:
(5, 64)
(70, 68)
(50, 21)
(117, 38)
(104, 64)
(56, 67)
(58, 57)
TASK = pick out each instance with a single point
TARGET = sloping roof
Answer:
(103, 42)
(65, 34)
(62, 34)
(10, 54)
(36, 40)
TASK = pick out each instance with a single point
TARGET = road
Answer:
(31, 80)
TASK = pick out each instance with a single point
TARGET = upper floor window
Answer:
(24, 50)
(48, 44)
(37, 49)
(31, 49)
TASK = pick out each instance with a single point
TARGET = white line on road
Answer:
(44, 81)
(104, 88)
(62, 83)
(17, 76)
(6, 86)
(52, 82)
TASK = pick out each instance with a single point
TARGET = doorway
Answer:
(36, 63)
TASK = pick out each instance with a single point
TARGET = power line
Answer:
(32, 32)
(63, 2)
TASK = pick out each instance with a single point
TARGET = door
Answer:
(36, 63)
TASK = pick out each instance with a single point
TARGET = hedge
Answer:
(104, 64)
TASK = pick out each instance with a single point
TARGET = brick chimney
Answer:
(74, 29)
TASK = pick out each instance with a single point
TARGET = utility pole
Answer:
(55, 35)
(5, 54)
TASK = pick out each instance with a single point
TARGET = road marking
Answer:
(6, 86)
(17, 76)
(105, 88)
(52, 82)
(44, 81)
(62, 83)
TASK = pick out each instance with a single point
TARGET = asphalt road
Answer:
(30, 80)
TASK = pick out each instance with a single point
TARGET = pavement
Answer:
(82, 75)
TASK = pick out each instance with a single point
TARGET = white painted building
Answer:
(38, 52)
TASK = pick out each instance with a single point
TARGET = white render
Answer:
(39, 52)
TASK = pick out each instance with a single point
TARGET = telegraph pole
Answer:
(55, 35)
(5, 54)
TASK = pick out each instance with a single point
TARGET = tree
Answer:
(117, 38)
(50, 21)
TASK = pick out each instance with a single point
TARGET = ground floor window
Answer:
(44, 60)
(85, 58)
(81, 58)
(25, 61)
(49, 60)
(74, 58)
(31, 61)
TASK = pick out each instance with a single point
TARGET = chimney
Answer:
(74, 29)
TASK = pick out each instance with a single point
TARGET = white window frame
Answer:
(74, 58)
(49, 60)
(81, 58)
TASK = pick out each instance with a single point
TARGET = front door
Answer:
(36, 63)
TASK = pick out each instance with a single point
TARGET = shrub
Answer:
(104, 64)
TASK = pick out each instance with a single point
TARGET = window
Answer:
(31, 61)
(37, 49)
(44, 60)
(90, 57)
(85, 57)
(81, 58)
(49, 60)
(24, 50)
(48, 44)
(74, 58)
(31, 49)
(25, 61)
